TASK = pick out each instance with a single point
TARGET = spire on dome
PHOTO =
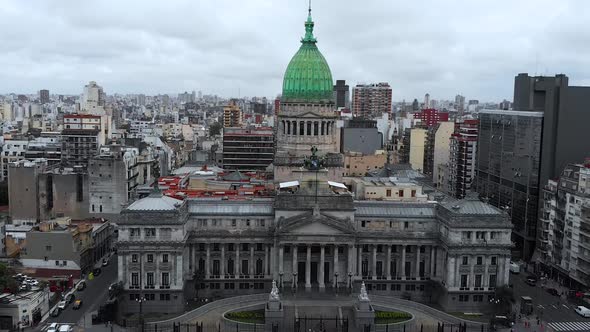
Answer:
(309, 38)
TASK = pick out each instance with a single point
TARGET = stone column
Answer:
(322, 261)
(388, 263)
(450, 272)
(273, 262)
(335, 265)
(222, 263)
(403, 262)
(237, 262)
(281, 250)
(359, 265)
(485, 278)
(432, 260)
(251, 265)
(374, 263)
(266, 272)
(350, 253)
(308, 268)
(417, 262)
(208, 261)
(506, 273)
(294, 262)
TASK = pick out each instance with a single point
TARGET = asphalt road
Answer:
(95, 294)
(548, 307)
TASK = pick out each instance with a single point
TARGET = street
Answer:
(92, 297)
(556, 311)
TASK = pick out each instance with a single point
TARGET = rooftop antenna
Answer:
(309, 7)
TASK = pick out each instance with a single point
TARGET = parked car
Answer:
(62, 305)
(553, 291)
(77, 304)
(531, 280)
(70, 298)
(81, 285)
(65, 328)
(52, 327)
(582, 311)
(55, 312)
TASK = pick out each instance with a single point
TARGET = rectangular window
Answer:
(164, 258)
(492, 281)
(463, 298)
(47, 248)
(477, 298)
(479, 260)
(134, 279)
(165, 279)
(413, 192)
(465, 260)
(134, 258)
(494, 260)
(150, 258)
(150, 279)
(388, 193)
(400, 193)
(150, 232)
(134, 232)
(463, 281)
(478, 280)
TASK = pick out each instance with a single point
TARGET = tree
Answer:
(7, 282)
(215, 129)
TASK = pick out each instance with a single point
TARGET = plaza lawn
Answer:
(252, 317)
(390, 317)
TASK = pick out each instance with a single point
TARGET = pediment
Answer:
(310, 224)
(309, 114)
(316, 228)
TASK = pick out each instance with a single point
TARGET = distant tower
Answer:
(427, 101)
(44, 96)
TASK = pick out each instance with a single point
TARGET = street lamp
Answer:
(350, 281)
(140, 300)
(294, 281)
(336, 283)
(281, 279)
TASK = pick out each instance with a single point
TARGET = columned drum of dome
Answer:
(308, 77)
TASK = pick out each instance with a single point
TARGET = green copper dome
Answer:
(308, 77)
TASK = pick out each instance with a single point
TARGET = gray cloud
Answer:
(227, 46)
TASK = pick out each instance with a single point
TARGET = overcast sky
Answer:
(232, 47)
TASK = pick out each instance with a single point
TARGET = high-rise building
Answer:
(431, 117)
(43, 96)
(427, 100)
(460, 104)
(80, 138)
(566, 119)
(508, 166)
(232, 115)
(93, 99)
(342, 94)
(563, 237)
(463, 148)
(307, 115)
(417, 148)
(248, 149)
(360, 135)
(371, 99)
(437, 149)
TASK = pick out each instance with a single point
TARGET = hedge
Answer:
(254, 316)
(388, 317)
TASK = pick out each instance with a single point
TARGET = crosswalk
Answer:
(570, 326)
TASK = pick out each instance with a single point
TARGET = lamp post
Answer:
(336, 282)
(281, 279)
(350, 281)
(140, 300)
(294, 281)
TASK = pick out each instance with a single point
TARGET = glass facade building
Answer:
(508, 159)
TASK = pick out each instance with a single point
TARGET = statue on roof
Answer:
(314, 162)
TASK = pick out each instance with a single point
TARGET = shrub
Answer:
(389, 317)
(254, 316)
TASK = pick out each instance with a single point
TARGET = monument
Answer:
(364, 313)
(273, 311)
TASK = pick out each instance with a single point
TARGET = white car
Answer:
(52, 327)
(65, 328)
(62, 305)
(582, 311)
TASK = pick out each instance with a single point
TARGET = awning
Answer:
(337, 185)
(288, 184)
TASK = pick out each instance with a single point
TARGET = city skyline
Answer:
(233, 49)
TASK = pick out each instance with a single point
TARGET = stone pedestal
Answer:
(364, 314)
(273, 311)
